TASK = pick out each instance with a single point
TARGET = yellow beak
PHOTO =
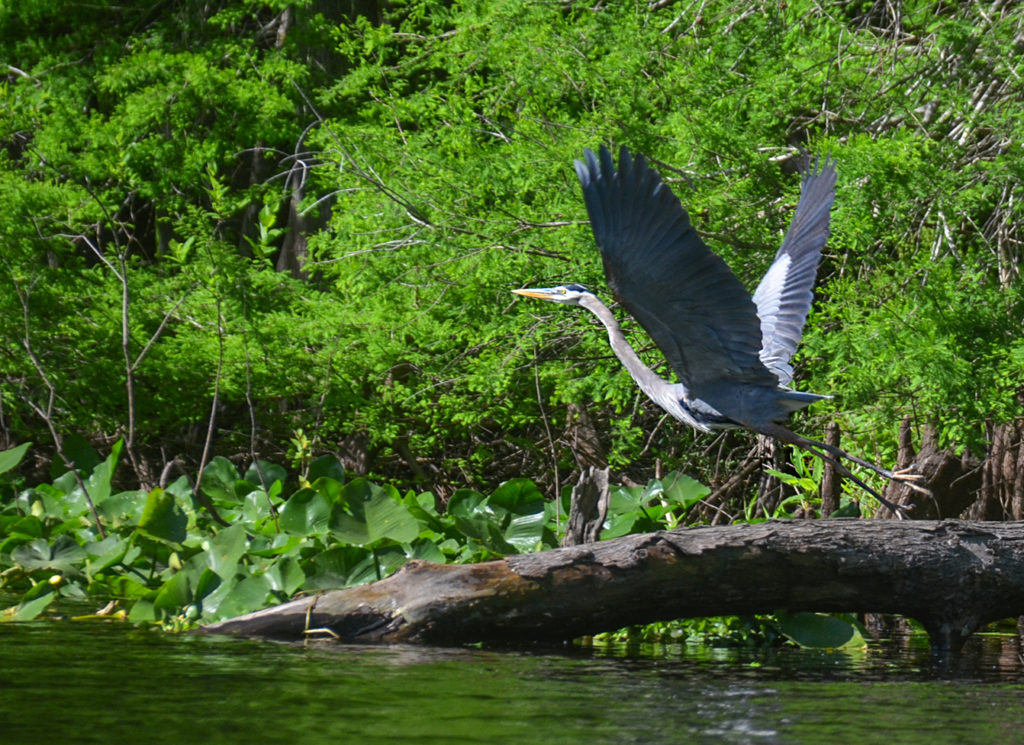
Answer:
(537, 293)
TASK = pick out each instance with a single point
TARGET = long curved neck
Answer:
(658, 390)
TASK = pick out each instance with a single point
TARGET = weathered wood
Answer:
(952, 576)
(953, 482)
(831, 481)
(588, 507)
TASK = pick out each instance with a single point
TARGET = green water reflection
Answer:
(84, 683)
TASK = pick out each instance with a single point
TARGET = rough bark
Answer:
(831, 482)
(588, 508)
(952, 576)
(954, 482)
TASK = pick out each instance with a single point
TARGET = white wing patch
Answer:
(768, 299)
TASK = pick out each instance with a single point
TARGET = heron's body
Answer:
(763, 405)
(730, 351)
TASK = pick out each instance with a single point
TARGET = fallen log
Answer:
(952, 576)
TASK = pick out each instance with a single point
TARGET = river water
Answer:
(67, 682)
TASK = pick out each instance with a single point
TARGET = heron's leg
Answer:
(897, 510)
(832, 455)
(901, 475)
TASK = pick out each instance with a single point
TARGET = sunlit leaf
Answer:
(369, 513)
(386, 517)
(515, 494)
(11, 458)
(98, 482)
(247, 595)
(29, 609)
(286, 576)
(123, 508)
(163, 518)
(305, 513)
(224, 550)
(525, 531)
(683, 490)
(427, 550)
(105, 554)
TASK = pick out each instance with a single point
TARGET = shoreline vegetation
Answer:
(257, 256)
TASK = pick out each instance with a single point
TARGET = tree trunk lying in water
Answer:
(952, 576)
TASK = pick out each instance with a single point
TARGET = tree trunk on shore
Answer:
(952, 576)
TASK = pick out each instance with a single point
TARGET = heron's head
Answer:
(565, 294)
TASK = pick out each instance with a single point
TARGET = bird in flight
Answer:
(731, 352)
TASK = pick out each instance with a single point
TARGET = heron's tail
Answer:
(791, 401)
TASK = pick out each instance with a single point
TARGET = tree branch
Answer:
(953, 576)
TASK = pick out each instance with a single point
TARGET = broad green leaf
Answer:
(11, 458)
(683, 490)
(331, 568)
(256, 506)
(376, 565)
(516, 494)
(123, 508)
(334, 491)
(818, 630)
(386, 517)
(327, 466)
(143, 611)
(29, 526)
(350, 529)
(224, 550)
(526, 531)
(173, 595)
(369, 513)
(98, 483)
(63, 556)
(421, 507)
(218, 481)
(207, 582)
(467, 503)
(163, 518)
(305, 513)
(181, 488)
(82, 455)
(104, 554)
(286, 576)
(264, 474)
(29, 609)
(427, 550)
(280, 545)
(247, 595)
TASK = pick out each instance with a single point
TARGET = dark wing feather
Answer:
(685, 296)
(784, 296)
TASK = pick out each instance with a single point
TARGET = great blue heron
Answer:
(730, 352)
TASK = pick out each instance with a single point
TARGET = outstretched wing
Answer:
(685, 296)
(784, 296)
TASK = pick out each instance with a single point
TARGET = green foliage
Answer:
(719, 631)
(820, 630)
(660, 504)
(168, 562)
(159, 166)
